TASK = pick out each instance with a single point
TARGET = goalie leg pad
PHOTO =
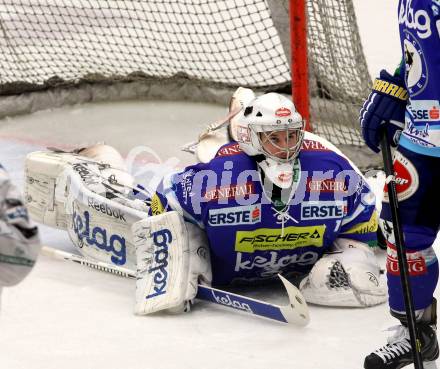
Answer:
(171, 255)
(44, 191)
(99, 227)
(47, 172)
(349, 278)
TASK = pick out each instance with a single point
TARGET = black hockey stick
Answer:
(401, 254)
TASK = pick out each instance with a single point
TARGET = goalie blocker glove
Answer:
(384, 107)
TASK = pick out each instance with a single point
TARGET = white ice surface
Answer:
(64, 316)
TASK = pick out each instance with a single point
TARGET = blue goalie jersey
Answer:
(419, 24)
(251, 236)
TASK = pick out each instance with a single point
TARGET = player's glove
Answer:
(384, 107)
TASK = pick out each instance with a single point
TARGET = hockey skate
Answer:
(397, 353)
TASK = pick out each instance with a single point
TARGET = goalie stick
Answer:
(296, 312)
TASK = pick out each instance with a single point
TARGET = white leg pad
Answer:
(44, 194)
(170, 261)
(46, 175)
(88, 198)
(100, 227)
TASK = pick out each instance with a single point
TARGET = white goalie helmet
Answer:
(259, 124)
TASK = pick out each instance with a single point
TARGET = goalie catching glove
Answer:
(348, 277)
(172, 258)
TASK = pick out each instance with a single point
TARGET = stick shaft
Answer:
(401, 254)
(206, 293)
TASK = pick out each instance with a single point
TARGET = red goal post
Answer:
(299, 63)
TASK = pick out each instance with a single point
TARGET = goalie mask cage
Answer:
(83, 50)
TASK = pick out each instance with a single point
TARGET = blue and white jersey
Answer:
(419, 23)
(252, 239)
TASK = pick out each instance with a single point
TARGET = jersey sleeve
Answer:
(361, 221)
(183, 192)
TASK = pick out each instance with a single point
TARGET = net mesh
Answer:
(340, 80)
(221, 44)
(66, 41)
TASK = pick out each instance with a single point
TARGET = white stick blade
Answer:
(297, 311)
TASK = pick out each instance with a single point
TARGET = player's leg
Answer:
(416, 176)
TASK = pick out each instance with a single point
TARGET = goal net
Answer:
(201, 49)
